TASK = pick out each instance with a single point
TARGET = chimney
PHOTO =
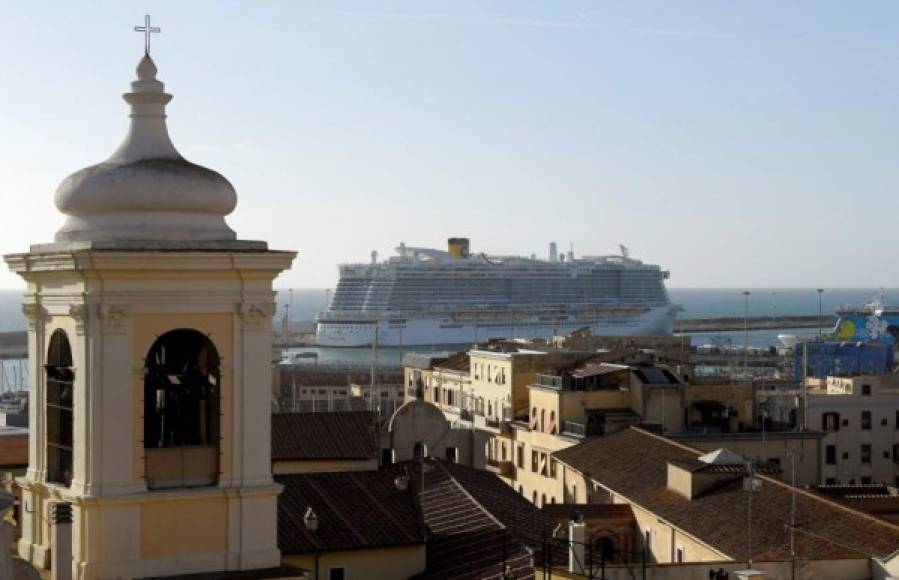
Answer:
(553, 252)
(61, 541)
(310, 520)
(577, 539)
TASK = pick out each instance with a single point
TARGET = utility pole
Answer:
(820, 294)
(746, 334)
(374, 356)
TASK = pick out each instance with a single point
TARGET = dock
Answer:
(14, 345)
(753, 322)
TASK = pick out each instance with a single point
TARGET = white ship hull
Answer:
(657, 320)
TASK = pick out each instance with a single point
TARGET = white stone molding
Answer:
(254, 315)
(112, 318)
(79, 313)
(35, 314)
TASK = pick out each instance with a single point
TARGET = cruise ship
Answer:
(425, 296)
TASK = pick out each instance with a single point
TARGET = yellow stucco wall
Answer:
(183, 527)
(372, 564)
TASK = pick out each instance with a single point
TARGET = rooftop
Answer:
(459, 362)
(355, 510)
(327, 435)
(470, 520)
(634, 463)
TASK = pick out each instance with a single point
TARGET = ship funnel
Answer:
(553, 252)
(457, 247)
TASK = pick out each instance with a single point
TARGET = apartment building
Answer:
(859, 417)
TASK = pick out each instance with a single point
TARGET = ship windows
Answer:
(60, 402)
(181, 411)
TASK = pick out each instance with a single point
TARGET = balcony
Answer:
(581, 429)
(466, 415)
(502, 468)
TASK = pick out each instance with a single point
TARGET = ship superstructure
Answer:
(424, 296)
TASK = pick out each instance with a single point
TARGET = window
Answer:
(452, 454)
(845, 422)
(543, 420)
(897, 420)
(181, 411)
(866, 481)
(845, 455)
(679, 554)
(60, 384)
(830, 422)
(520, 457)
(866, 420)
(336, 573)
(535, 498)
(534, 461)
(866, 390)
(866, 453)
(647, 542)
(552, 468)
(830, 454)
(386, 457)
(543, 500)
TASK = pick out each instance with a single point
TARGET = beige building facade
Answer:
(859, 417)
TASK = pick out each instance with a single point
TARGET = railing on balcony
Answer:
(581, 429)
(500, 467)
(466, 415)
(551, 381)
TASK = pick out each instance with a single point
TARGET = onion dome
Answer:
(146, 191)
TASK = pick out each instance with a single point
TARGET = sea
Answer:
(304, 304)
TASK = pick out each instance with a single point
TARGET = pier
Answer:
(753, 322)
(14, 345)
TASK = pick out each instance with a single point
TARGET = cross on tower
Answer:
(147, 30)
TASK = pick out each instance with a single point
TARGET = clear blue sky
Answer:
(735, 143)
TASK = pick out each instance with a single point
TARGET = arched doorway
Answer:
(59, 401)
(181, 411)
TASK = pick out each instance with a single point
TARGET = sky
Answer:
(737, 144)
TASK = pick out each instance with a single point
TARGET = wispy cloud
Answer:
(583, 22)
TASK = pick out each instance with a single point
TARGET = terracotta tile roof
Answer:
(459, 362)
(477, 524)
(355, 509)
(471, 521)
(326, 435)
(633, 464)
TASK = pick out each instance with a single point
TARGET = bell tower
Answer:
(150, 333)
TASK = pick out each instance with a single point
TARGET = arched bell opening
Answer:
(59, 408)
(182, 393)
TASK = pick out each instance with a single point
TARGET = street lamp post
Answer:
(746, 333)
(820, 294)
